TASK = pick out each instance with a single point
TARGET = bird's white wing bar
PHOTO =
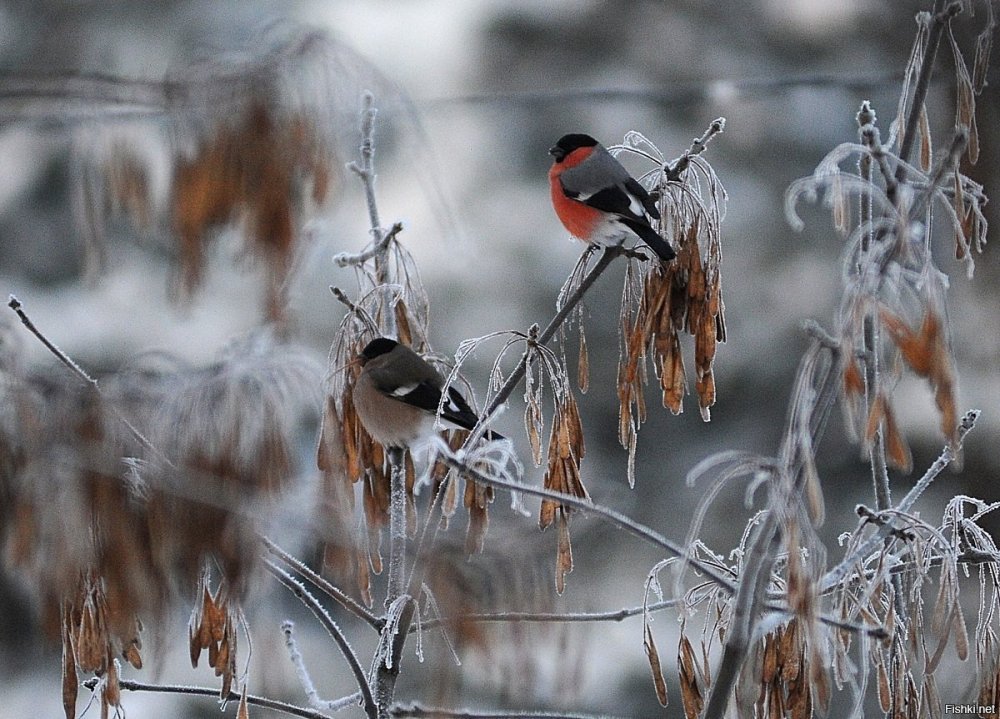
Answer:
(404, 389)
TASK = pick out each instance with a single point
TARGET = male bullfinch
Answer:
(397, 396)
(595, 197)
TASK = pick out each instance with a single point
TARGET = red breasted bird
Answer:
(597, 200)
(397, 396)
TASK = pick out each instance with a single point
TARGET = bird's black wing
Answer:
(457, 410)
(614, 200)
(603, 183)
(424, 395)
(633, 186)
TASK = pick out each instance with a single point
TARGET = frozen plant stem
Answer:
(675, 170)
(876, 453)
(397, 525)
(427, 712)
(388, 670)
(366, 169)
(941, 15)
(639, 530)
(947, 456)
(381, 239)
(253, 700)
(15, 305)
(355, 608)
(610, 253)
(288, 628)
(746, 605)
(345, 259)
(332, 629)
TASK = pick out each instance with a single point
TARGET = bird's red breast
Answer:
(578, 218)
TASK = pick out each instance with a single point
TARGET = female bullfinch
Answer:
(595, 197)
(397, 396)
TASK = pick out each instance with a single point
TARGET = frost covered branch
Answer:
(296, 588)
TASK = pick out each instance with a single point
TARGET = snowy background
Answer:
(471, 94)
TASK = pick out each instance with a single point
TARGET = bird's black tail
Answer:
(458, 412)
(652, 239)
(468, 421)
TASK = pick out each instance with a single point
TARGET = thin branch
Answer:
(343, 599)
(959, 141)
(263, 702)
(15, 305)
(745, 602)
(397, 525)
(941, 16)
(344, 299)
(872, 140)
(388, 668)
(639, 530)
(297, 588)
(552, 617)
(418, 710)
(366, 170)
(947, 456)
(610, 515)
(610, 253)
(674, 170)
(816, 384)
(346, 259)
(306, 681)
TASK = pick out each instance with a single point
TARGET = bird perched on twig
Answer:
(597, 200)
(398, 393)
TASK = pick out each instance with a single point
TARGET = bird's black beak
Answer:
(557, 152)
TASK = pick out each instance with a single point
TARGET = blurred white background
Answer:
(471, 95)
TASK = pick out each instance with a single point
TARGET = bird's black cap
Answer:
(568, 143)
(378, 346)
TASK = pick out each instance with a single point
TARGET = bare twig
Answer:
(348, 603)
(418, 710)
(610, 515)
(397, 526)
(816, 384)
(745, 605)
(15, 305)
(947, 456)
(941, 15)
(553, 617)
(608, 256)
(297, 588)
(959, 141)
(388, 669)
(366, 169)
(307, 684)
(673, 171)
(263, 702)
(346, 259)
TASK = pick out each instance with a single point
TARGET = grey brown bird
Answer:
(398, 393)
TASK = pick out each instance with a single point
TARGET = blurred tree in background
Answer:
(175, 189)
